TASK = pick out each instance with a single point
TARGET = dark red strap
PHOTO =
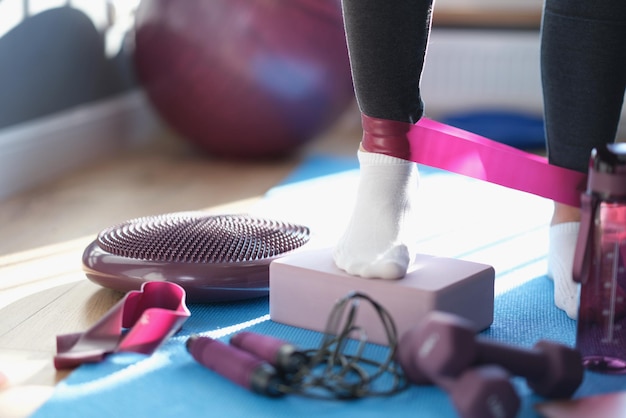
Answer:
(140, 323)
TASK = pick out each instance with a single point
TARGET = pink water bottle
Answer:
(599, 263)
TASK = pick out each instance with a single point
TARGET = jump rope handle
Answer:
(284, 356)
(236, 365)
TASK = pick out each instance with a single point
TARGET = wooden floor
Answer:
(43, 291)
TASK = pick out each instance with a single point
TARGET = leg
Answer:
(387, 43)
(583, 64)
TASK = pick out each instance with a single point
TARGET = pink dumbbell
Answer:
(480, 392)
(446, 345)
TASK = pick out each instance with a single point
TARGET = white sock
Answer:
(563, 238)
(376, 241)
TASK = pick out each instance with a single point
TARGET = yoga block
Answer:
(305, 286)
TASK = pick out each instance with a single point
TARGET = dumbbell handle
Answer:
(527, 362)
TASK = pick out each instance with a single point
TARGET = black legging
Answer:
(583, 62)
(387, 41)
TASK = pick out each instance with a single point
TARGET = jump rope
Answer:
(274, 367)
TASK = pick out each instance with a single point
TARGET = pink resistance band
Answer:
(138, 323)
(441, 146)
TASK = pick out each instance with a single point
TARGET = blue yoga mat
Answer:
(461, 218)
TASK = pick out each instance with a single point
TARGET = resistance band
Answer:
(442, 146)
(139, 323)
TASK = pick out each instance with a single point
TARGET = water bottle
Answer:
(599, 263)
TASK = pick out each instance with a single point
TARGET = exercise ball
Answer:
(244, 78)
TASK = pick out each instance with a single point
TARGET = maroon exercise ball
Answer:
(244, 78)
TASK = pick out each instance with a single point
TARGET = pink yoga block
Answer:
(305, 286)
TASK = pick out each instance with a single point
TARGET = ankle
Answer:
(564, 213)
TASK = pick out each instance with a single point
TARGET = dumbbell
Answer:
(481, 392)
(446, 345)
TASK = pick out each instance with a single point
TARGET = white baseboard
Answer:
(44, 149)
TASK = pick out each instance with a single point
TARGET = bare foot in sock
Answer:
(563, 236)
(376, 243)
